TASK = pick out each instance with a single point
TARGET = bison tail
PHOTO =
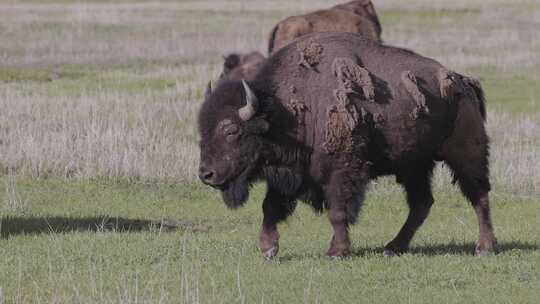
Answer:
(479, 92)
(272, 39)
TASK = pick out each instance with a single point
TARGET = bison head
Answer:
(231, 62)
(230, 130)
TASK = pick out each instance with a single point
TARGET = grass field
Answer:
(99, 201)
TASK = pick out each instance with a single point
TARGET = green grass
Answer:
(12, 75)
(80, 241)
(77, 80)
(516, 94)
(428, 17)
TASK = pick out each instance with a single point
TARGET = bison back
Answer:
(328, 81)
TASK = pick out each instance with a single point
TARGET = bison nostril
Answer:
(207, 175)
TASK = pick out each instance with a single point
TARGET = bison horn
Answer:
(208, 90)
(252, 103)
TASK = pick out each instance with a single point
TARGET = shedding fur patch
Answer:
(342, 119)
(352, 77)
(344, 116)
(411, 85)
(310, 56)
(298, 109)
(292, 89)
(446, 82)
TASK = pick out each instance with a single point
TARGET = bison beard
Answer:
(235, 194)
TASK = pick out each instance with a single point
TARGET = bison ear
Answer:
(252, 103)
(208, 90)
(230, 62)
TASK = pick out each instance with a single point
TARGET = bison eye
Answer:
(231, 132)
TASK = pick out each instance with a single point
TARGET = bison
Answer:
(355, 17)
(241, 66)
(332, 111)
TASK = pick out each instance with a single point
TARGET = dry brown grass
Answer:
(104, 122)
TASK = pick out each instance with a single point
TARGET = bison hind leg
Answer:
(417, 184)
(473, 179)
(469, 165)
(466, 152)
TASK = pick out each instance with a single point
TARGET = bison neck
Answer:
(283, 168)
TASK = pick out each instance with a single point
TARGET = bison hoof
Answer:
(486, 246)
(336, 254)
(389, 253)
(269, 243)
(269, 254)
(391, 249)
(483, 251)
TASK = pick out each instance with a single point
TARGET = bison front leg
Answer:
(344, 194)
(276, 208)
(340, 245)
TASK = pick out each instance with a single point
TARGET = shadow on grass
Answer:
(465, 249)
(451, 249)
(13, 226)
(469, 248)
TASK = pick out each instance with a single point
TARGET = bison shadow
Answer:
(469, 248)
(13, 226)
(464, 249)
(452, 249)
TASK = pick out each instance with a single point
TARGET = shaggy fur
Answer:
(344, 135)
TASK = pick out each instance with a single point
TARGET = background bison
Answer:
(332, 111)
(241, 66)
(354, 17)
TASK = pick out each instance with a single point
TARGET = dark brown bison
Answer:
(241, 66)
(332, 111)
(354, 17)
